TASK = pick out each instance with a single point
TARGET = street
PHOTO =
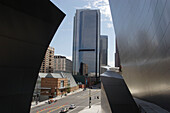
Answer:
(80, 99)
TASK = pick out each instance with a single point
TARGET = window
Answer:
(68, 82)
(62, 83)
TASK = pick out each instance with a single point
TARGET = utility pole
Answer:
(89, 98)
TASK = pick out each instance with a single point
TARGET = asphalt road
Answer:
(80, 99)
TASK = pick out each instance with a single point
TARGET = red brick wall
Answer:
(52, 83)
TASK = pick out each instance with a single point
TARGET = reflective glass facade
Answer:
(103, 51)
(86, 41)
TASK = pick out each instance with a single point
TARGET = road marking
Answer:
(57, 108)
(81, 106)
(83, 95)
(45, 108)
(48, 108)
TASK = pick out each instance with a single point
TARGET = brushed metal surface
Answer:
(143, 37)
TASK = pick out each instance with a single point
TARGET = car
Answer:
(51, 101)
(64, 110)
(72, 106)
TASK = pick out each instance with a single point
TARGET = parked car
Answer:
(64, 110)
(51, 101)
(72, 106)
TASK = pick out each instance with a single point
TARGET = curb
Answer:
(44, 102)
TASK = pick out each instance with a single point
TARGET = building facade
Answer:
(47, 65)
(83, 69)
(143, 39)
(117, 58)
(86, 38)
(55, 84)
(61, 63)
(103, 52)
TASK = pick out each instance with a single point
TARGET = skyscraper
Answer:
(47, 65)
(103, 51)
(117, 58)
(86, 37)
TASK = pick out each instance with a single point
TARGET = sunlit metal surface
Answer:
(143, 37)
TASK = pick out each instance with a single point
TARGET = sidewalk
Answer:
(33, 104)
(96, 108)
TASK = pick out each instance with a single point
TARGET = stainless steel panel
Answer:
(143, 36)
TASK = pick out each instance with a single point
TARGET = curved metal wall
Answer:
(143, 36)
(26, 29)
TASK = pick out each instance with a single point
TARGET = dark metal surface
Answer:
(26, 29)
(115, 95)
(143, 37)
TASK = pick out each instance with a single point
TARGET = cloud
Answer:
(103, 5)
(88, 6)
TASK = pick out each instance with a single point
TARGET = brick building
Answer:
(55, 84)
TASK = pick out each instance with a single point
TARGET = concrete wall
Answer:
(26, 29)
(74, 88)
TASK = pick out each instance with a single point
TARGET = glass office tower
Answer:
(86, 38)
(103, 52)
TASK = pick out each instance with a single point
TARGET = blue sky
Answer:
(63, 38)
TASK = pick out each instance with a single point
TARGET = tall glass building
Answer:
(86, 38)
(103, 51)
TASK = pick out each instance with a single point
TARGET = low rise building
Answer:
(55, 84)
(83, 69)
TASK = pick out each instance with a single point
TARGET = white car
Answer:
(72, 106)
(64, 110)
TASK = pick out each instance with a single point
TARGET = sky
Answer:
(63, 38)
